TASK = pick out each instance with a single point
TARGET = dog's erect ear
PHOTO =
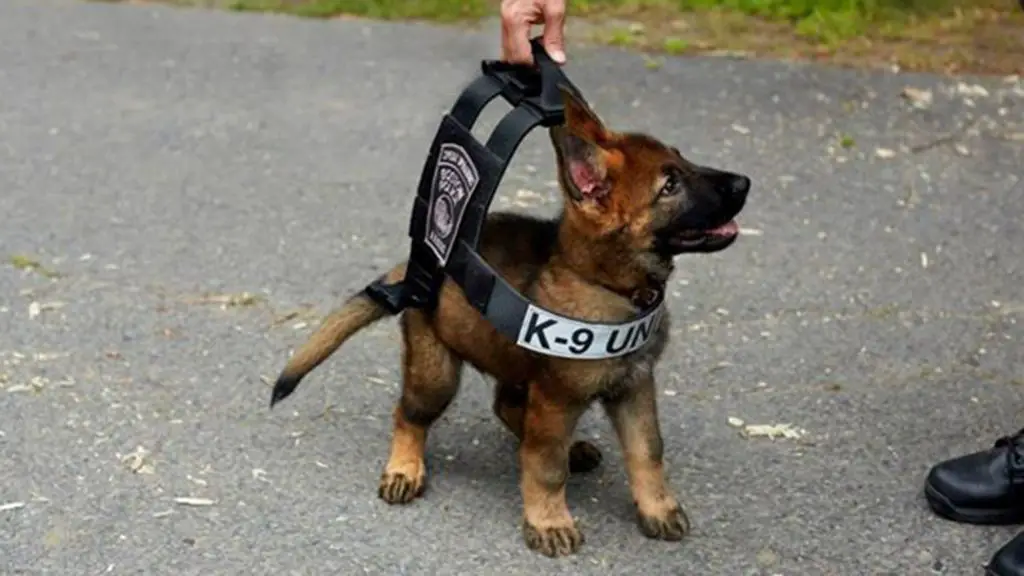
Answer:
(584, 161)
(584, 168)
(581, 119)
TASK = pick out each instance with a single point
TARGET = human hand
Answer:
(517, 16)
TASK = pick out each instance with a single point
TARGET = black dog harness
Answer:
(455, 191)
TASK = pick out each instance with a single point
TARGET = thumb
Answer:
(554, 30)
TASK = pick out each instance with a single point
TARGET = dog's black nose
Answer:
(739, 185)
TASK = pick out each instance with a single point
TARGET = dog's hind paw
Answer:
(583, 457)
(673, 526)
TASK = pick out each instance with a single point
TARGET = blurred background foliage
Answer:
(980, 36)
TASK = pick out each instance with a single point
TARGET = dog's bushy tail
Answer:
(355, 314)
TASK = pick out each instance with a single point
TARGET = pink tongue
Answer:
(729, 229)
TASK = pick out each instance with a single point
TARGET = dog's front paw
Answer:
(672, 525)
(400, 488)
(553, 541)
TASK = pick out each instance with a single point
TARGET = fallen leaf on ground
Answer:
(37, 308)
(137, 462)
(22, 262)
(36, 384)
(189, 501)
(773, 431)
(720, 366)
(228, 300)
(971, 90)
(884, 153)
(917, 97)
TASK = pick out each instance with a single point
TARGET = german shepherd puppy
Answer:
(631, 204)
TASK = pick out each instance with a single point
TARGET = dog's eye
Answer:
(673, 184)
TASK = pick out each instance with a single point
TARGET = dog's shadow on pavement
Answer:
(480, 461)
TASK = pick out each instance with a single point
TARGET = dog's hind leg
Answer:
(430, 380)
(510, 407)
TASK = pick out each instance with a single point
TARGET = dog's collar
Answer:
(643, 296)
(646, 296)
(457, 185)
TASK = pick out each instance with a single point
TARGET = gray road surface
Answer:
(154, 157)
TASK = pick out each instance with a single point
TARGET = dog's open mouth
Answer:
(713, 238)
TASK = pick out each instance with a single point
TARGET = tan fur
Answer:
(358, 313)
(590, 263)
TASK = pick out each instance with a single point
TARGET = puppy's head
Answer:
(641, 193)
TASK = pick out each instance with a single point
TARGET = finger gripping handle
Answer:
(536, 85)
(541, 58)
(551, 77)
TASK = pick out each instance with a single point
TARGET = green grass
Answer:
(621, 37)
(920, 35)
(674, 45)
(822, 19)
(438, 10)
(800, 9)
(826, 20)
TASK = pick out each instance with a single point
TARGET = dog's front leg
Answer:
(634, 415)
(549, 421)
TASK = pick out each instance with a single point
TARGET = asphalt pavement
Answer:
(183, 193)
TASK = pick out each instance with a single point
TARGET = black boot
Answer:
(1009, 560)
(985, 487)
